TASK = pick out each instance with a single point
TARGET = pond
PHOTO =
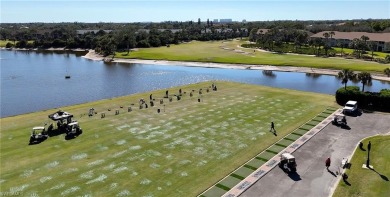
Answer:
(33, 81)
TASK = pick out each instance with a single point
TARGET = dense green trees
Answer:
(366, 100)
(283, 36)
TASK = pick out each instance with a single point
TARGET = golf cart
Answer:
(339, 120)
(287, 162)
(38, 135)
(62, 120)
(73, 130)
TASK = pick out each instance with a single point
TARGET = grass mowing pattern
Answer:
(223, 187)
(145, 153)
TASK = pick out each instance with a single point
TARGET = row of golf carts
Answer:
(63, 125)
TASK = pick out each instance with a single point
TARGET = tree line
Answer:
(124, 36)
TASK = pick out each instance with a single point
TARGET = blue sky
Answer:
(184, 10)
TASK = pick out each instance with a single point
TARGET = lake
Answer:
(33, 81)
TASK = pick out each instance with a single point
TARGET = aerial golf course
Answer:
(181, 151)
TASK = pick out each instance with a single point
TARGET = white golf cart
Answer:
(38, 135)
(73, 130)
(339, 120)
(287, 162)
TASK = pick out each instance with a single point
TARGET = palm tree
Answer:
(126, 40)
(331, 34)
(326, 45)
(346, 75)
(365, 78)
(364, 39)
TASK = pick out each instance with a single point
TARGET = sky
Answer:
(24, 11)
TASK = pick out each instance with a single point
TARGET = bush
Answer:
(379, 101)
(9, 45)
(21, 44)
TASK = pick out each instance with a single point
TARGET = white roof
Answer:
(352, 102)
(72, 123)
(38, 128)
(288, 156)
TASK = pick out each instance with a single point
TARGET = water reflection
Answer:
(40, 78)
(269, 73)
(313, 75)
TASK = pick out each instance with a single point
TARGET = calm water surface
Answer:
(32, 81)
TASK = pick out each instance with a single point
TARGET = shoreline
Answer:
(48, 49)
(91, 55)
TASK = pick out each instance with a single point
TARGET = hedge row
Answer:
(379, 101)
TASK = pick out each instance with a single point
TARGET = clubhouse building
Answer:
(380, 41)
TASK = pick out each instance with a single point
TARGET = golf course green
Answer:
(229, 52)
(181, 151)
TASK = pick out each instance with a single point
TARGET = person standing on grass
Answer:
(327, 163)
(273, 127)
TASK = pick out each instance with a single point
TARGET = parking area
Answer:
(312, 178)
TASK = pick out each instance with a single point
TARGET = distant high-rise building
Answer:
(244, 20)
(215, 21)
(225, 20)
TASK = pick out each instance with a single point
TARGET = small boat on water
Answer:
(67, 76)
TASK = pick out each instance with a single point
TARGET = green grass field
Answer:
(228, 52)
(364, 182)
(350, 51)
(179, 152)
(4, 42)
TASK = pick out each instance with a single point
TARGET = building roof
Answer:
(380, 37)
(81, 32)
(262, 31)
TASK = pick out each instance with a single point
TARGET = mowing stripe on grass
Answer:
(237, 176)
(318, 119)
(276, 148)
(284, 146)
(322, 116)
(303, 128)
(256, 163)
(230, 181)
(289, 139)
(222, 187)
(214, 192)
(250, 167)
(284, 142)
(270, 151)
(262, 159)
(297, 134)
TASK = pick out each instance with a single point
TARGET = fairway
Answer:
(365, 182)
(181, 151)
(229, 52)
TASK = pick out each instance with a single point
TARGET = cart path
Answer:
(274, 161)
(250, 172)
(312, 178)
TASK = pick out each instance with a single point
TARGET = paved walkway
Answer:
(249, 173)
(313, 179)
(264, 169)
